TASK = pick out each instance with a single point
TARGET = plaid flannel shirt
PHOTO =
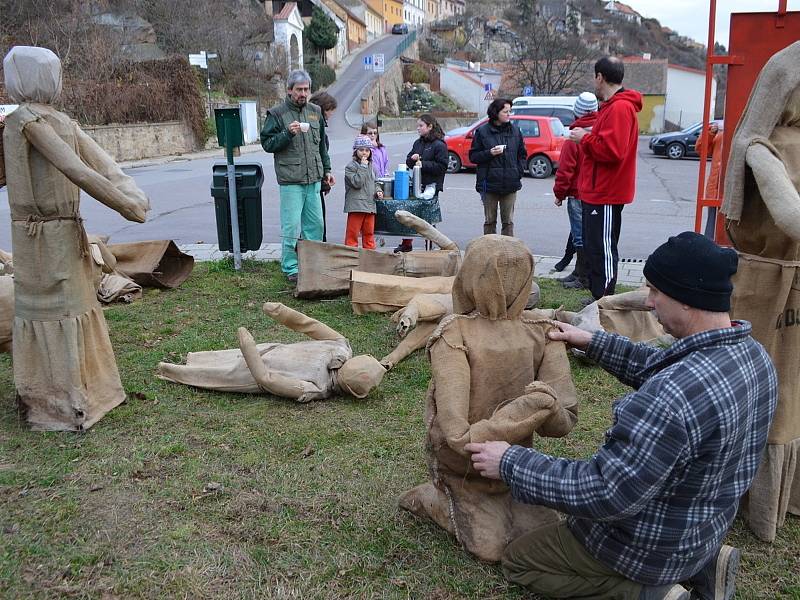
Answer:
(655, 502)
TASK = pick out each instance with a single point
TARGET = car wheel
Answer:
(676, 150)
(453, 162)
(540, 167)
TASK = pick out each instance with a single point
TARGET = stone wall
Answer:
(384, 91)
(143, 140)
(410, 123)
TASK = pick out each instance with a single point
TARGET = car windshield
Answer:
(691, 128)
(558, 128)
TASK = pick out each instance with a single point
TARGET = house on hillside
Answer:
(392, 13)
(563, 14)
(623, 11)
(451, 8)
(333, 56)
(672, 94)
(289, 26)
(466, 83)
(370, 12)
(355, 26)
(414, 12)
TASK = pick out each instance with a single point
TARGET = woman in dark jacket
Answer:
(432, 151)
(499, 152)
(327, 104)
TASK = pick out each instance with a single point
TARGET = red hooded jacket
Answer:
(569, 163)
(608, 165)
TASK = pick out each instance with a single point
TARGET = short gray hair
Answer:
(297, 76)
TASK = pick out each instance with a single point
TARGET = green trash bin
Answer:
(249, 179)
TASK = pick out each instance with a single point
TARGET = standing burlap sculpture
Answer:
(495, 376)
(762, 206)
(64, 368)
(315, 369)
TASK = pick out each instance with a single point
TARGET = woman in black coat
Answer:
(432, 151)
(499, 152)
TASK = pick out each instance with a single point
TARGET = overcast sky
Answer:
(690, 17)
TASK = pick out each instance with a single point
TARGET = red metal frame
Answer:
(754, 38)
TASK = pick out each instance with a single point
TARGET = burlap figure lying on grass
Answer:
(315, 369)
(495, 376)
(625, 314)
(418, 320)
(325, 268)
(762, 205)
(64, 368)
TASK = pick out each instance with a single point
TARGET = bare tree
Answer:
(551, 58)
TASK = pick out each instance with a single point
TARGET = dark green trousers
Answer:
(552, 563)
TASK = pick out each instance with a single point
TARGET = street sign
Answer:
(7, 109)
(378, 63)
(489, 96)
(199, 60)
(487, 87)
(367, 63)
(528, 90)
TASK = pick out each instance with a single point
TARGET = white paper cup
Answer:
(304, 127)
(502, 147)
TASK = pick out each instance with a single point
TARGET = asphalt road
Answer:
(182, 208)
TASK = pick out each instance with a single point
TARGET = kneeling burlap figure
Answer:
(315, 369)
(494, 374)
(762, 207)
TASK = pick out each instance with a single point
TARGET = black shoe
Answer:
(717, 580)
(562, 264)
(573, 284)
(402, 248)
(664, 592)
(584, 302)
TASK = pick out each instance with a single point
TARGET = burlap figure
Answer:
(64, 368)
(417, 321)
(762, 206)
(625, 314)
(495, 376)
(315, 369)
(325, 268)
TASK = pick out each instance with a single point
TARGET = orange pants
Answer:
(364, 223)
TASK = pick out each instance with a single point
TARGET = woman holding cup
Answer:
(499, 152)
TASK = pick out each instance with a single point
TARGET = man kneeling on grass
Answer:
(650, 509)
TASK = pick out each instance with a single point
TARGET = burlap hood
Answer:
(360, 375)
(494, 279)
(32, 75)
(769, 105)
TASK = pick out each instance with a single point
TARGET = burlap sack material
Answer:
(302, 371)
(324, 270)
(375, 292)
(153, 263)
(762, 204)
(6, 312)
(625, 314)
(495, 376)
(64, 368)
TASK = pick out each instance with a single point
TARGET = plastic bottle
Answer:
(418, 179)
(400, 191)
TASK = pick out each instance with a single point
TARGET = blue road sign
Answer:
(487, 87)
(528, 90)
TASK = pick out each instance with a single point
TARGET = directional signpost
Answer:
(201, 60)
(368, 63)
(487, 87)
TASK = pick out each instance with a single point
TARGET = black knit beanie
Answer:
(693, 270)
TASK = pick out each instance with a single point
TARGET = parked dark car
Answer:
(678, 144)
(399, 28)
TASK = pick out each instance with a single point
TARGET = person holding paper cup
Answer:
(499, 151)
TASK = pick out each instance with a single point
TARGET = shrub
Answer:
(321, 75)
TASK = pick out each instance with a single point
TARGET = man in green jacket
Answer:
(295, 133)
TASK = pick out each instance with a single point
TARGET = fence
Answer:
(406, 43)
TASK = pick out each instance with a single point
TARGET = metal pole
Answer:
(208, 87)
(235, 243)
(701, 179)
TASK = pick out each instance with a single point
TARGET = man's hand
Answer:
(294, 127)
(486, 457)
(415, 157)
(572, 335)
(557, 202)
(576, 135)
(330, 179)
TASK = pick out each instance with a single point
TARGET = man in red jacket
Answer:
(607, 178)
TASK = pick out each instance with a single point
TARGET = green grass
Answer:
(186, 493)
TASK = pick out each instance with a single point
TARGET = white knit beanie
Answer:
(585, 104)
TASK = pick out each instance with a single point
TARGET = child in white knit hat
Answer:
(359, 195)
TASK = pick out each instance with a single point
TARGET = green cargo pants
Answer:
(551, 562)
(301, 216)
